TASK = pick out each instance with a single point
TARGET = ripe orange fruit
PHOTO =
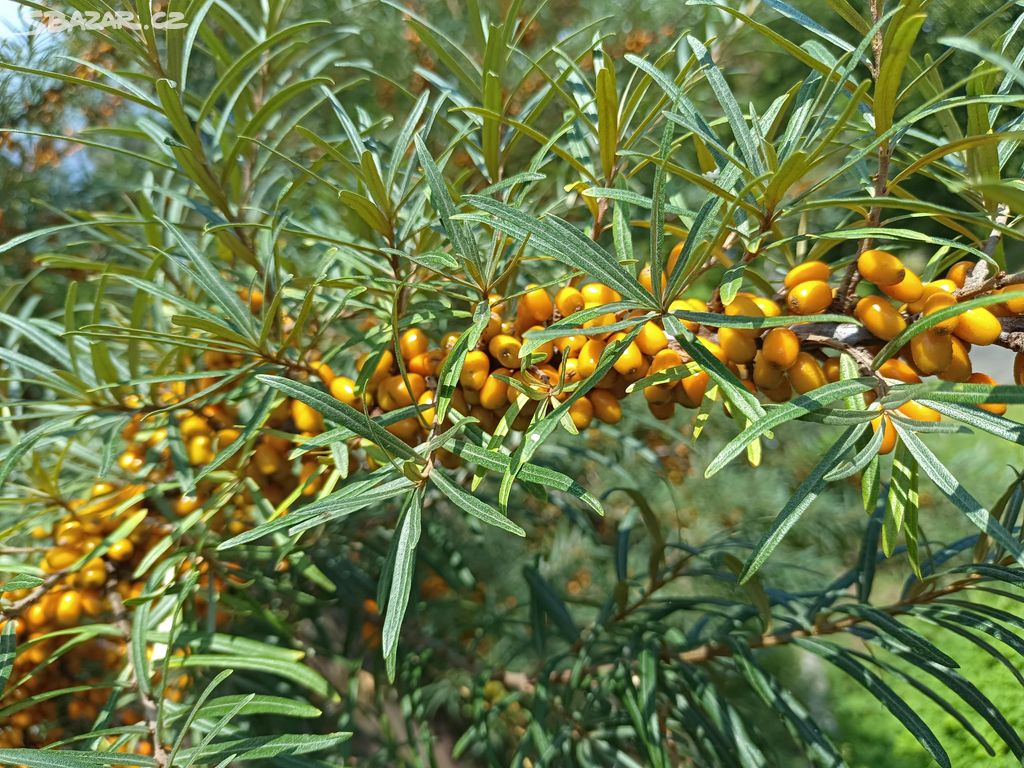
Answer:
(598, 293)
(809, 298)
(588, 358)
(344, 389)
(413, 342)
(200, 451)
(736, 345)
(475, 369)
(914, 410)
(766, 375)
(494, 392)
(880, 317)
(691, 389)
(568, 300)
(888, 437)
(809, 270)
(909, 289)
(69, 609)
(630, 359)
(958, 272)
(306, 418)
(959, 368)
(582, 412)
(606, 406)
(381, 370)
(780, 347)
(688, 305)
(806, 373)
(994, 408)
(880, 267)
(1014, 299)
(932, 352)
(767, 306)
(651, 339)
(894, 368)
(536, 304)
(938, 301)
(978, 326)
(394, 393)
(121, 550)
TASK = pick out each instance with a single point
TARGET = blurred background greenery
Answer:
(39, 176)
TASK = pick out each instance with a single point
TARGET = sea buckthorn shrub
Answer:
(310, 462)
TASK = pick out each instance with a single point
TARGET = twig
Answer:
(150, 713)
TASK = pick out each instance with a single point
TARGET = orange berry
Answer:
(888, 437)
(978, 326)
(475, 369)
(573, 343)
(994, 408)
(505, 349)
(568, 300)
(494, 392)
(200, 451)
(69, 609)
(644, 278)
(381, 370)
(880, 317)
(880, 267)
(662, 411)
(426, 363)
(688, 305)
(397, 393)
(606, 406)
(809, 270)
(932, 352)
(406, 430)
(914, 410)
(894, 368)
(192, 426)
(780, 347)
(1014, 299)
(630, 360)
(809, 297)
(588, 358)
(427, 398)
(767, 306)
(766, 375)
(909, 289)
(306, 418)
(598, 293)
(806, 373)
(736, 345)
(323, 370)
(691, 389)
(930, 289)
(959, 368)
(958, 272)
(651, 339)
(745, 306)
(412, 342)
(582, 412)
(832, 369)
(344, 389)
(938, 301)
(121, 550)
(536, 304)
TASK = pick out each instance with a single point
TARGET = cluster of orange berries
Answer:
(81, 583)
(777, 363)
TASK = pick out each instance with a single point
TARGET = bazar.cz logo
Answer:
(51, 21)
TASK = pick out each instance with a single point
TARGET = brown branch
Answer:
(150, 712)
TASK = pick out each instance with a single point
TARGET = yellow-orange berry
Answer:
(588, 358)
(406, 430)
(737, 346)
(306, 418)
(200, 451)
(765, 374)
(69, 609)
(598, 293)
(939, 301)
(688, 305)
(894, 368)
(889, 436)
(932, 352)
(394, 393)
(880, 317)
(494, 392)
(960, 367)
(809, 270)
(914, 410)
(536, 304)
(691, 389)
(651, 339)
(806, 373)
(880, 267)
(568, 300)
(780, 348)
(606, 406)
(908, 290)
(978, 326)
(744, 306)
(832, 368)
(930, 289)
(121, 550)
(505, 349)
(958, 272)
(1014, 302)
(475, 369)
(344, 389)
(809, 298)
(381, 370)
(767, 306)
(582, 412)
(412, 342)
(997, 409)
(630, 360)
